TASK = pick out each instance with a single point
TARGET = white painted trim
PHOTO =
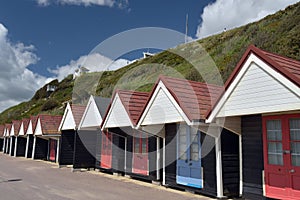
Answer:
(10, 146)
(162, 87)
(125, 159)
(68, 111)
(157, 159)
(16, 144)
(111, 109)
(33, 148)
(241, 164)
(264, 66)
(164, 162)
(219, 168)
(26, 149)
(57, 149)
(263, 183)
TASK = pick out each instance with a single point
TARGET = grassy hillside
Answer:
(278, 33)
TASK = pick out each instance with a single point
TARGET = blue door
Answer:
(188, 157)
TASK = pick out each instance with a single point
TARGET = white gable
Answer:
(29, 129)
(117, 116)
(258, 89)
(38, 129)
(162, 109)
(67, 122)
(12, 131)
(21, 132)
(91, 116)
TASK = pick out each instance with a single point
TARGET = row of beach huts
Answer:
(239, 140)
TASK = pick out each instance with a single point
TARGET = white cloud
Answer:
(109, 3)
(17, 83)
(94, 62)
(233, 13)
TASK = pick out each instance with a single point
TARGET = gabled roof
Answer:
(7, 129)
(33, 120)
(25, 124)
(102, 103)
(194, 98)
(287, 67)
(16, 124)
(49, 124)
(133, 103)
(77, 111)
(2, 127)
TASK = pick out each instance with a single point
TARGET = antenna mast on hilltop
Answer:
(186, 28)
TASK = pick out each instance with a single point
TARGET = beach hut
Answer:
(261, 103)
(46, 138)
(88, 134)
(29, 135)
(195, 156)
(21, 140)
(14, 131)
(7, 128)
(68, 128)
(125, 149)
(2, 138)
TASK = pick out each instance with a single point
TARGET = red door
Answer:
(140, 154)
(106, 150)
(52, 155)
(282, 156)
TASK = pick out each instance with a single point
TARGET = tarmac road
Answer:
(25, 179)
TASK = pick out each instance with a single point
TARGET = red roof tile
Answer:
(2, 127)
(288, 67)
(50, 124)
(17, 125)
(134, 103)
(8, 127)
(78, 111)
(195, 98)
(33, 120)
(25, 124)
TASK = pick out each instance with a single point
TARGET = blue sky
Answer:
(41, 40)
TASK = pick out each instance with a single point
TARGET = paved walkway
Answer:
(25, 179)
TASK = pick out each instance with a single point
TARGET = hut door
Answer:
(140, 154)
(189, 157)
(282, 156)
(52, 154)
(106, 151)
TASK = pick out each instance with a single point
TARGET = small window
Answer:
(295, 141)
(274, 137)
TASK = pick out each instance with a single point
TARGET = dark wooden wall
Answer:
(85, 149)
(41, 149)
(252, 156)
(12, 153)
(1, 143)
(98, 150)
(230, 163)
(21, 146)
(7, 145)
(208, 162)
(66, 152)
(30, 146)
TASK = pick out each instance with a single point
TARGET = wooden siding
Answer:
(208, 162)
(118, 117)
(98, 150)
(162, 111)
(253, 164)
(41, 149)
(21, 146)
(1, 144)
(91, 117)
(259, 92)
(118, 149)
(12, 146)
(85, 149)
(66, 147)
(30, 146)
(230, 163)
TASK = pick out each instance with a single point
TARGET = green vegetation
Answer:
(278, 33)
